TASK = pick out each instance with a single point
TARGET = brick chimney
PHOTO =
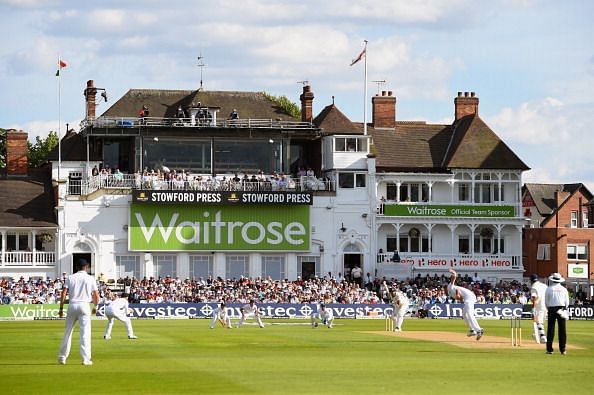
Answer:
(16, 153)
(90, 95)
(307, 104)
(466, 104)
(384, 110)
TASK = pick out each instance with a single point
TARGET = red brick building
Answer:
(559, 236)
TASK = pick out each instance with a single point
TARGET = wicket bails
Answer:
(516, 331)
(389, 324)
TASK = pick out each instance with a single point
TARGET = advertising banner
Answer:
(284, 310)
(446, 211)
(222, 197)
(577, 270)
(218, 228)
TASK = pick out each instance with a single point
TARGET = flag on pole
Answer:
(61, 65)
(361, 56)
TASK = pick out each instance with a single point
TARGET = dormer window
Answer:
(350, 144)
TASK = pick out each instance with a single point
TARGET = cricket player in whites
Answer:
(324, 315)
(250, 309)
(400, 304)
(467, 297)
(220, 314)
(539, 308)
(118, 309)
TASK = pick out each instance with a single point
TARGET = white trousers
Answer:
(256, 316)
(398, 316)
(112, 316)
(325, 320)
(538, 318)
(215, 318)
(77, 312)
(469, 318)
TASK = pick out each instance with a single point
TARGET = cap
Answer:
(533, 277)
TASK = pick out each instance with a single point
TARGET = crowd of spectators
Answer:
(422, 291)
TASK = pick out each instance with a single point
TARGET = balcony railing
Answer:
(138, 181)
(154, 122)
(470, 262)
(27, 258)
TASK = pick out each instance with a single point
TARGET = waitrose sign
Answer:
(424, 210)
(218, 228)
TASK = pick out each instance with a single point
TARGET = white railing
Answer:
(28, 258)
(457, 261)
(194, 183)
(150, 122)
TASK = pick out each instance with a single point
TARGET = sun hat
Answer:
(556, 278)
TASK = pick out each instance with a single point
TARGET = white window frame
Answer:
(160, 262)
(124, 260)
(574, 219)
(241, 261)
(268, 264)
(308, 258)
(201, 262)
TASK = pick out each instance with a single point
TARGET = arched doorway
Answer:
(353, 263)
(82, 251)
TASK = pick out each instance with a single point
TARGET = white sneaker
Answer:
(62, 361)
(107, 337)
(132, 337)
(543, 339)
(479, 334)
(87, 363)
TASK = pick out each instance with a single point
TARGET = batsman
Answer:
(539, 309)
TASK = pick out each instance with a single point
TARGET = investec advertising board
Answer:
(196, 221)
(445, 211)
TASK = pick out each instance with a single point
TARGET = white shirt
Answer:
(80, 287)
(249, 309)
(400, 299)
(538, 290)
(325, 314)
(220, 312)
(557, 295)
(120, 305)
(466, 294)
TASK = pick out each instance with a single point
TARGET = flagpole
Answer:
(59, 119)
(365, 94)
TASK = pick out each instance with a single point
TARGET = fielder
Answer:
(323, 316)
(400, 304)
(250, 309)
(539, 308)
(220, 314)
(118, 309)
(467, 297)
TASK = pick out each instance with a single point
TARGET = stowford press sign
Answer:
(218, 228)
(424, 210)
(222, 197)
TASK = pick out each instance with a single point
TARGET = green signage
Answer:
(30, 311)
(437, 210)
(218, 228)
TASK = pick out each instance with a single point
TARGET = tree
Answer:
(287, 105)
(38, 152)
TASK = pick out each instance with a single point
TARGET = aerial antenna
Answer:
(202, 65)
(304, 82)
(379, 84)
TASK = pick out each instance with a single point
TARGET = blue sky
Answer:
(530, 62)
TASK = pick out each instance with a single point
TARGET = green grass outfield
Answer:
(175, 356)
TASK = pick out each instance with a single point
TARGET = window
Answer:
(273, 266)
(543, 252)
(201, 266)
(482, 193)
(576, 252)
(414, 192)
(391, 244)
(165, 265)
(128, 266)
(237, 266)
(414, 241)
(350, 144)
(308, 267)
(585, 219)
(351, 180)
(463, 244)
(17, 241)
(464, 192)
(574, 219)
(484, 241)
(391, 191)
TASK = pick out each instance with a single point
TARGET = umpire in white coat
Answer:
(557, 301)
(82, 289)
